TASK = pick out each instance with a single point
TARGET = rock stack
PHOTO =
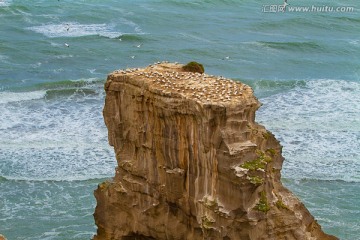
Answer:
(192, 162)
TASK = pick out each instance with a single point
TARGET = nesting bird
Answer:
(199, 86)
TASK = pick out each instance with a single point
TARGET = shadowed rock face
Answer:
(192, 162)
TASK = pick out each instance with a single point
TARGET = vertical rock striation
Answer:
(192, 162)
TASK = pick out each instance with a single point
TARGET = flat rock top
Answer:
(170, 78)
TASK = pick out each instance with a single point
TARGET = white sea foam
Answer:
(73, 29)
(7, 97)
(3, 58)
(5, 3)
(319, 127)
(355, 42)
(54, 204)
(64, 139)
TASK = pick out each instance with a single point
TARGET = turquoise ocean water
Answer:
(303, 66)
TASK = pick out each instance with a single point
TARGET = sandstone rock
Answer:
(2, 237)
(192, 162)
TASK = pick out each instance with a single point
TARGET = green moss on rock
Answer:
(256, 180)
(266, 135)
(271, 152)
(263, 204)
(280, 205)
(258, 163)
(194, 67)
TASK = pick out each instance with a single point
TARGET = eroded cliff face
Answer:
(192, 162)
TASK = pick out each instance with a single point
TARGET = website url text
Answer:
(274, 8)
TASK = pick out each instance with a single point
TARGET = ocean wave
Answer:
(72, 29)
(338, 22)
(319, 126)
(304, 164)
(47, 151)
(198, 3)
(50, 90)
(52, 94)
(78, 88)
(302, 180)
(317, 100)
(265, 84)
(348, 19)
(265, 87)
(131, 37)
(7, 97)
(79, 83)
(293, 46)
(355, 42)
(64, 138)
(5, 3)
(318, 22)
(188, 36)
(56, 179)
(4, 58)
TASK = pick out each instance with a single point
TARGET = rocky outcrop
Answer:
(2, 237)
(192, 162)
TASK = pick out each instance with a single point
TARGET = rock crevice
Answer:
(192, 162)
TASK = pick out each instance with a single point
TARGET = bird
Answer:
(132, 57)
(138, 45)
(67, 45)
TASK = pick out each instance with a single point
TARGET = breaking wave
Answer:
(319, 126)
(72, 29)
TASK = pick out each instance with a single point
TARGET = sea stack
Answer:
(192, 162)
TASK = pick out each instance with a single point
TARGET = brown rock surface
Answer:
(192, 162)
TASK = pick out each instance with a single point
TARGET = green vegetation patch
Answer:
(271, 152)
(280, 205)
(266, 135)
(194, 67)
(258, 163)
(263, 204)
(256, 180)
